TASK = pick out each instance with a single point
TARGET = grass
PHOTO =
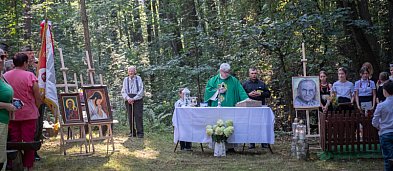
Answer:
(155, 152)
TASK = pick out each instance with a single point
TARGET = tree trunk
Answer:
(86, 32)
(27, 19)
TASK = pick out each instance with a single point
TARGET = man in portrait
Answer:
(306, 94)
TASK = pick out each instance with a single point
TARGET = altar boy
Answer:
(184, 146)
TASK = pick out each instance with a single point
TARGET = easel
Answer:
(91, 125)
(304, 61)
(70, 127)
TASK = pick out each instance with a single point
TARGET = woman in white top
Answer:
(343, 89)
(365, 91)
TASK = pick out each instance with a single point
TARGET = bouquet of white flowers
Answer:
(221, 131)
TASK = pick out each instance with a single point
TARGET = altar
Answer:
(252, 124)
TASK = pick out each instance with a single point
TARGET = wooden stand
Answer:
(304, 61)
(91, 125)
(101, 136)
(72, 128)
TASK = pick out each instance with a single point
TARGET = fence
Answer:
(347, 131)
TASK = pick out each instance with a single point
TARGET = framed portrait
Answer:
(70, 108)
(306, 92)
(98, 108)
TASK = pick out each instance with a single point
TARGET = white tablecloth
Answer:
(252, 124)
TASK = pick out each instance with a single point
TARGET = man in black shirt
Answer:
(256, 90)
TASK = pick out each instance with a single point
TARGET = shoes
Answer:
(251, 146)
(264, 145)
(37, 157)
(140, 136)
(132, 135)
(231, 150)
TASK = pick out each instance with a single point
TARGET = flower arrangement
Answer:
(333, 101)
(221, 131)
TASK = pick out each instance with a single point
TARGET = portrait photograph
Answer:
(97, 104)
(305, 92)
(70, 108)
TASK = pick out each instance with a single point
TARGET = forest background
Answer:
(180, 43)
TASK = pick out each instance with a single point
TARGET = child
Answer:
(343, 88)
(383, 121)
(383, 77)
(184, 146)
(365, 91)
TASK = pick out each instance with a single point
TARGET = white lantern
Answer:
(301, 130)
(294, 125)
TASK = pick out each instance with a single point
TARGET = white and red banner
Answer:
(46, 69)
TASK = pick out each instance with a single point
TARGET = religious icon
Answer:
(306, 93)
(97, 104)
(70, 108)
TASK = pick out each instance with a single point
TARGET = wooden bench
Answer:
(341, 131)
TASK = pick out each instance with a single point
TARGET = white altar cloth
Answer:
(252, 124)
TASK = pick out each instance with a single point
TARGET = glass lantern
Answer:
(294, 125)
(301, 130)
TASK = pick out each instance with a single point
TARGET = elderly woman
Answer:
(6, 109)
(23, 126)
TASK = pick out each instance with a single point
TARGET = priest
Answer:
(224, 88)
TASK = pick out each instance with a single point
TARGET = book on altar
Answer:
(249, 103)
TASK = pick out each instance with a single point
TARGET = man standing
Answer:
(306, 92)
(256, 90)
(30, 54)
(224, 88)
(132, 93)
(383, 121)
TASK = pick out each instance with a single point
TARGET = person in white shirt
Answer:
(365, 91)
(383, 121)
(343, 89)
(132, 92)
(184, 146)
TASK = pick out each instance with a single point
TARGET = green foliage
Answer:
(180, 43)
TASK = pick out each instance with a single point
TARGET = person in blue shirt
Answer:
(383, 121)
(365, 91)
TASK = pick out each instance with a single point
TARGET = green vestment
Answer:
(235, 92)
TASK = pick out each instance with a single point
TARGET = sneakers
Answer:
(252, 146)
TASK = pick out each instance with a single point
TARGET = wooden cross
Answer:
(304, 60)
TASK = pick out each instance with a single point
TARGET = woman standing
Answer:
(6, 109)
(365, 91)
(23, 126)
(343, 89)
(325, 89)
